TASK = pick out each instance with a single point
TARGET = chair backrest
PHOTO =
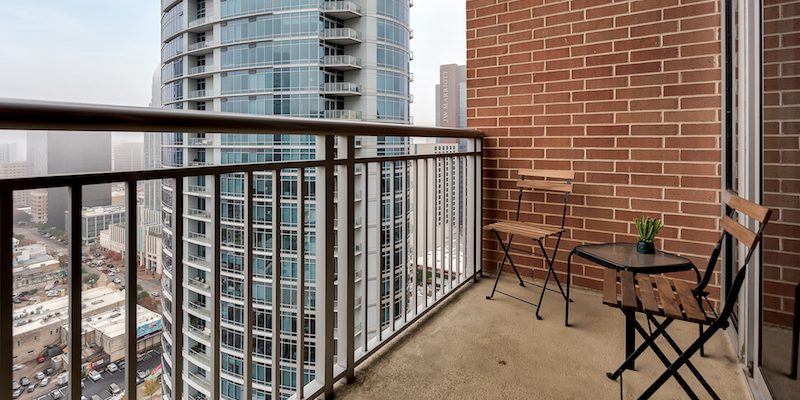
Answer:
(744, 236)
(731, 227)
(544, 179)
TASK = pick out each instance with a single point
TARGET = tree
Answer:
(150, 387)
(22, 217)
(141, 294)
(90, 277)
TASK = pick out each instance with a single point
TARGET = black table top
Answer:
(623, 256)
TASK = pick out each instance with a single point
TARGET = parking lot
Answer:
(100, 388)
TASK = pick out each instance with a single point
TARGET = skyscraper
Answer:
(451, 96)
(304, 58)
(8, 153)
(51, 153)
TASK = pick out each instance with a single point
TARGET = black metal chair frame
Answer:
(549, 260)
(720, 322)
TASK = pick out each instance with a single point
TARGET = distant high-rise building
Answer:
(16, 170)
(8, 153)
(451, 96)
(51, 153)
(127, 156)
(300, 58)
(150, 214)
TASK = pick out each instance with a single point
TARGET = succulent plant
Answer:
(648, 228)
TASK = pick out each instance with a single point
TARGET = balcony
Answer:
(343, 114)
(202, 70)
(342, 36)
(201, 45)
(55, 116)
(194, 94)
(200, 142)
(343, 10)
(342, 62)
(342, 89)
(460, 336)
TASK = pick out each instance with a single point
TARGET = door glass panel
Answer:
(781, 129)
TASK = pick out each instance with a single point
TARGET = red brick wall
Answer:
(626, 93)
(781, 158)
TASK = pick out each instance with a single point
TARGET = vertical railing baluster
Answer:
(392, 270)
(458, 222)
(404, 258)
(365, 258)
(424, 223)
(378, 249)
(301, 279)
(417, 227)
(248, 269)
(131, 268)
(328, 287)
(216, 296)
(479, 205)
(6, 288)
(349, 250)
(432, 220)
(74, 290)
(177, 289)
(276, 284)
(445, 218)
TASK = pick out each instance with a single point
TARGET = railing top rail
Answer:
(63, 116)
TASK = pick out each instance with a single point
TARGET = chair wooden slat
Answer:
(547, 173)
(689, 302)
(744, 235)
(646, 294)
(668, 300)
(628, 288)
(757, 212)
(546, 185)
(610, 286)
(524, 229)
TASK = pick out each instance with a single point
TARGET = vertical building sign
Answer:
(448, 96)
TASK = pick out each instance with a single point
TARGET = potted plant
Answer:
(648, 229)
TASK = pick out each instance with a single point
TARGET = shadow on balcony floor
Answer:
(473, 348)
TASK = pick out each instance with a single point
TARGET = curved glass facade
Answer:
(266, 57)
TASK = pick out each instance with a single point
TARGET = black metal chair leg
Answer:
(672, 370)
(503, 264)
(541, 296)
(661, 356)
(689, 364)
(648, 341)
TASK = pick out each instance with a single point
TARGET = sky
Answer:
(105, 52)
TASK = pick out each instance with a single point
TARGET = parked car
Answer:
(49, 371)
(121, 364)
(117, 281)
(39, 375)
(114, 389)
(24, 381)
(49, 286)
(23, 298)
(111, 273)
(55, 394)
(94, 376)
(45, 381)
(32, 387)
(112, 368)
(17, 301)
(16, 394)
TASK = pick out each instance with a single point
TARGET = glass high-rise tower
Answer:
(298, 58)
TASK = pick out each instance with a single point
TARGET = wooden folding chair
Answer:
(636, 293)
(560, 181)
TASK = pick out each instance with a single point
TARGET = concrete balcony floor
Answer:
(473, 348)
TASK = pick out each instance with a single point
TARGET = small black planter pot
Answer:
(646, 248)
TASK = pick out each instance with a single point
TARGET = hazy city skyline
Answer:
(100, 50)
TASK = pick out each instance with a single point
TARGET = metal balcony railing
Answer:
(201, 45)
(193, 94)
(361, 333)
(347, 9)
(343, 114)
(342, 62)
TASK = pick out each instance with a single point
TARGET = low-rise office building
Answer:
(38, 327)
